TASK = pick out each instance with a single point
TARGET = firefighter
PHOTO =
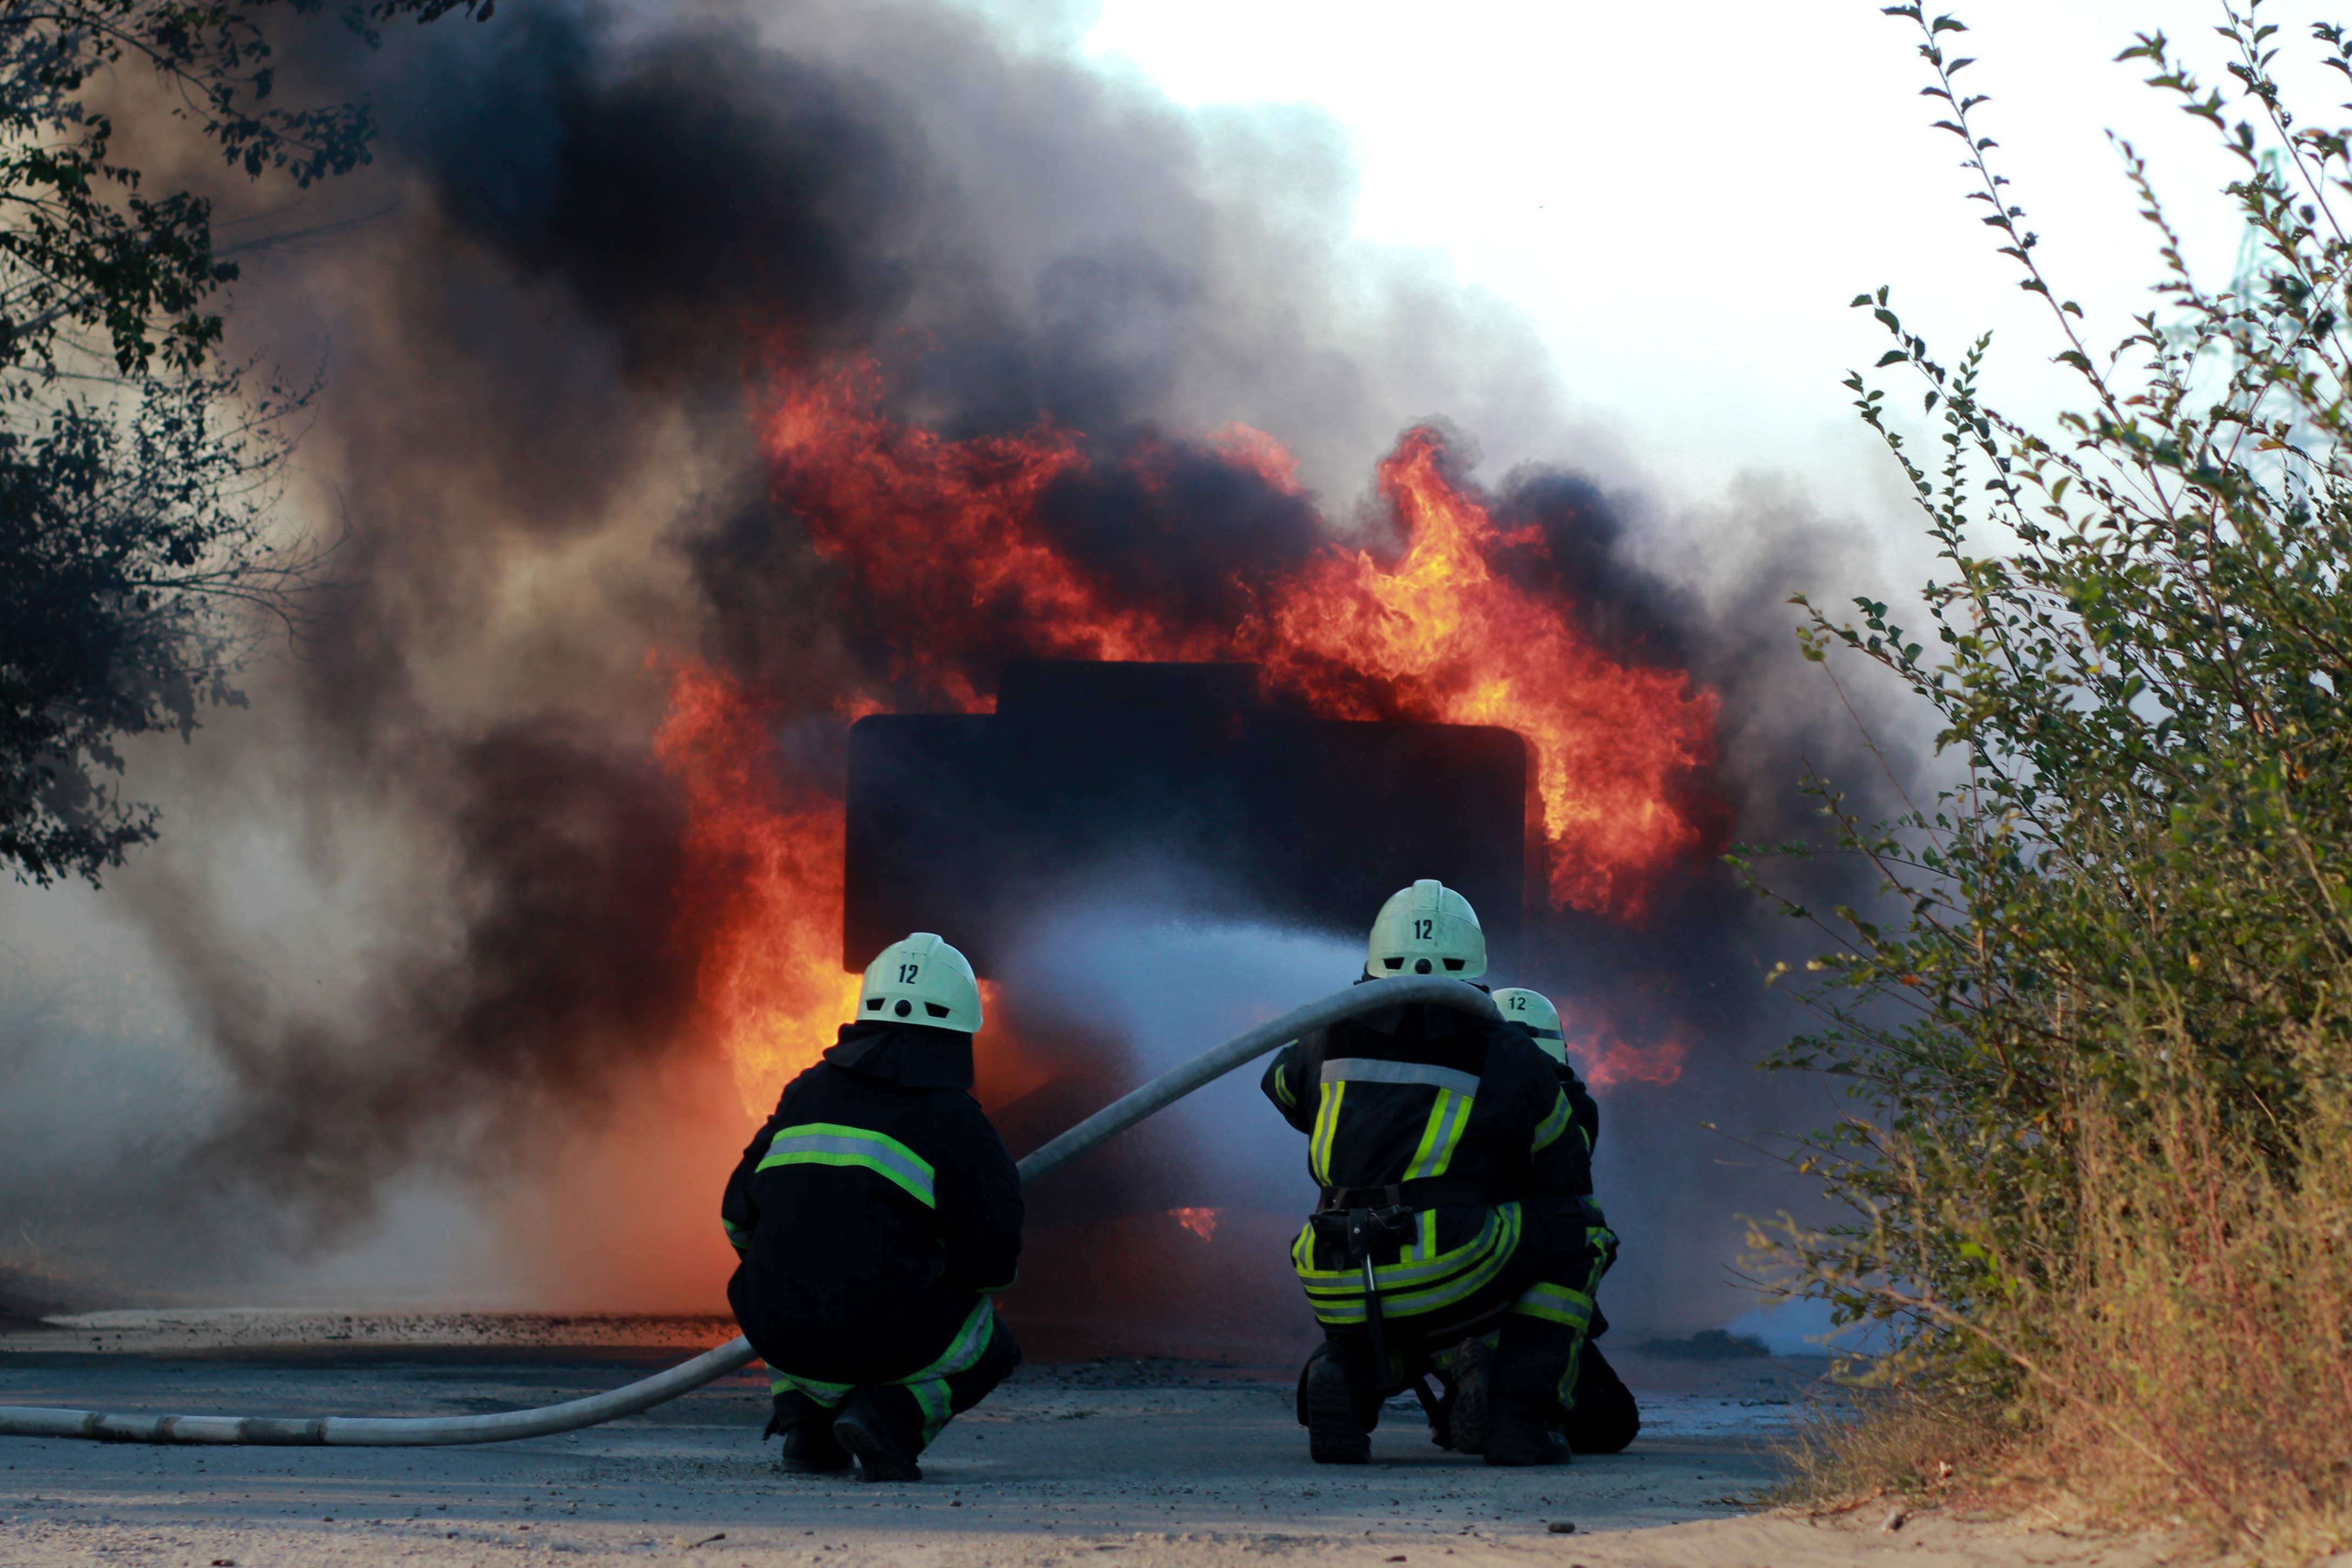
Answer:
(875, 1215)
(1596, 1411)
(1450, 1235)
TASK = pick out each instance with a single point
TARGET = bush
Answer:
(2098, 1164)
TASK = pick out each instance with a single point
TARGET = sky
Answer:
(1683, 201)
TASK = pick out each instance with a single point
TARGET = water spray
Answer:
(507, 1426)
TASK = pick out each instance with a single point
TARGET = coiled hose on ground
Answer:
(388, 1432)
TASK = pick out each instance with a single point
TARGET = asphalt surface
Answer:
(1175, 1461)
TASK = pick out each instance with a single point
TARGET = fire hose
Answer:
(506, 1425)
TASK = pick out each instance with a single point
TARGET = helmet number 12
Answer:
(1423, 930)
(906, 973)
(1518, 1004)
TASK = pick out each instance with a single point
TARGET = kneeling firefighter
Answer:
(1596, 1412)
(1450, 1235)
(874, 1214)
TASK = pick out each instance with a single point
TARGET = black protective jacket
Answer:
(1582, 1108)
(873, 1210)
(1421, 1092)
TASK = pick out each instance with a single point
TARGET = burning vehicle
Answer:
(1284, 743)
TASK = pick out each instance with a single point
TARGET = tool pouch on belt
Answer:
(1358, 1233)
(1422, 1192)
(1358, 1221)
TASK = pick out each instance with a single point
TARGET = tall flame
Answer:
(946, 538)
(1452, 640)
(763, 885)
(947, 547)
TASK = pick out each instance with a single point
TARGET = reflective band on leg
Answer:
(930, 1397)
(964, 1350)
(1566, 1393)
(829, 1395)
(1557, 1304)
(962, 1354)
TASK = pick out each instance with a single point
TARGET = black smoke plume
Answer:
(585, 230)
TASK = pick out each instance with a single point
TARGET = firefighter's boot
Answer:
(1331, 1406)
(882, 1427)
(1524, 1385)
(807, 1429)
(1470, 1370)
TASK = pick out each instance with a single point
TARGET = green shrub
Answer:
(2097, 1168)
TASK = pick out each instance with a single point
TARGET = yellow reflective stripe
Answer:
(736, 1238)
(1554, 1125)
(1327, 1127)
(928, 1385)
(1555, 1303)
(1500, 1222)
(1443, 1134)
(1331, 1307)
(831, 1143)
(1284, 1093)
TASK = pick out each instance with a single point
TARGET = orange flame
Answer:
(1201, 1222)
(1609, 1062)
(1454, 642)
(951, 558)
(945, 536)
(763, 884)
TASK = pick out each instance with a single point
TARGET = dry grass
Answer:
(2199, 1359)
(2187, 1354)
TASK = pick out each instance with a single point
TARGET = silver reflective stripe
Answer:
(874, 1151)
(1365, 1069)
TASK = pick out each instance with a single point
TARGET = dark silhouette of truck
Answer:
(1181, 779)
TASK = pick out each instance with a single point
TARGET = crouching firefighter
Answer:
(874, 1214)
(1596, 1412)
(1449, 1236)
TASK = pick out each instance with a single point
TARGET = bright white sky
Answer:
(1684, 198)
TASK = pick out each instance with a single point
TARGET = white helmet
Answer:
(921, 979)
(1427, 929)
(1533, 1011)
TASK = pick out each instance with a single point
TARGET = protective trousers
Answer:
(1540, 1350)
(920, 1405)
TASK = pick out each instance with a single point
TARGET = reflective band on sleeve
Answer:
(1554, 1125)
(829, 1144)
(1365, 1069)
(736, 1238)
(1282, 1090)
(1327, 1123)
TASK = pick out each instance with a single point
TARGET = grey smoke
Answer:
(417, 910)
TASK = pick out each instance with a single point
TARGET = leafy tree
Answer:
(133, 467)
(2099, 1162)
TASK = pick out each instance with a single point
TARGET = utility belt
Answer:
(1419, 1193)
(1358, 1221)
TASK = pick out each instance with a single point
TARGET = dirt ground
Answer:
(1144, 1462)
